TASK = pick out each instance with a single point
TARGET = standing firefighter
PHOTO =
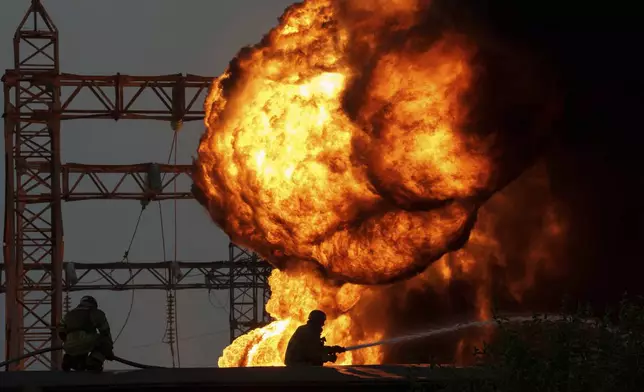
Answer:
(86, 337)
(306, 346)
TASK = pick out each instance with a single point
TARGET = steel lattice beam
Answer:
(125, 182)
(92, 182)
(33, 232)
(176, 97)
(169, 275)
(248, 291)
(36, 98)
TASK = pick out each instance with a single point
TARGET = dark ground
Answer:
(367, 378)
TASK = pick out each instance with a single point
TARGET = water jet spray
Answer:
(453, 328)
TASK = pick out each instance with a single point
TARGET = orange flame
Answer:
(296, 293)
(294, 177)
(319, 153)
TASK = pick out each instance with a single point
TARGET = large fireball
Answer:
(346, 139)
(354, 146)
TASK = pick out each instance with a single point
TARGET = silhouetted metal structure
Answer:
(37, 98)
(248, 275)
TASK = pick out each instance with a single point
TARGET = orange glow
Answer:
(301, 289)
(295, 294)
(372, 190)
(295, 174)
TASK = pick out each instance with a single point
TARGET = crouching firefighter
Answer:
(306, 346)
(86, 336)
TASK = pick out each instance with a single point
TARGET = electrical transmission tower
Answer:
(34, 275)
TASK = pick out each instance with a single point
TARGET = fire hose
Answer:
(50, 349)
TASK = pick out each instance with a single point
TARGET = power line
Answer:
(125, 260)
(219, 304)
(172, 322)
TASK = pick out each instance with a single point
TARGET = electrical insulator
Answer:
(170, 309)
(71, 278)
(67, 302)
(153, 183)
(178, 104)
(176, 271)
(154, 178)
(209, 278)
(176, 125)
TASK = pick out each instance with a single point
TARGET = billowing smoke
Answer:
(513, 262)
(593, 180)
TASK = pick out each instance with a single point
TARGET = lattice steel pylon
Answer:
(33, 221)
(248, 292)
(37, 97)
